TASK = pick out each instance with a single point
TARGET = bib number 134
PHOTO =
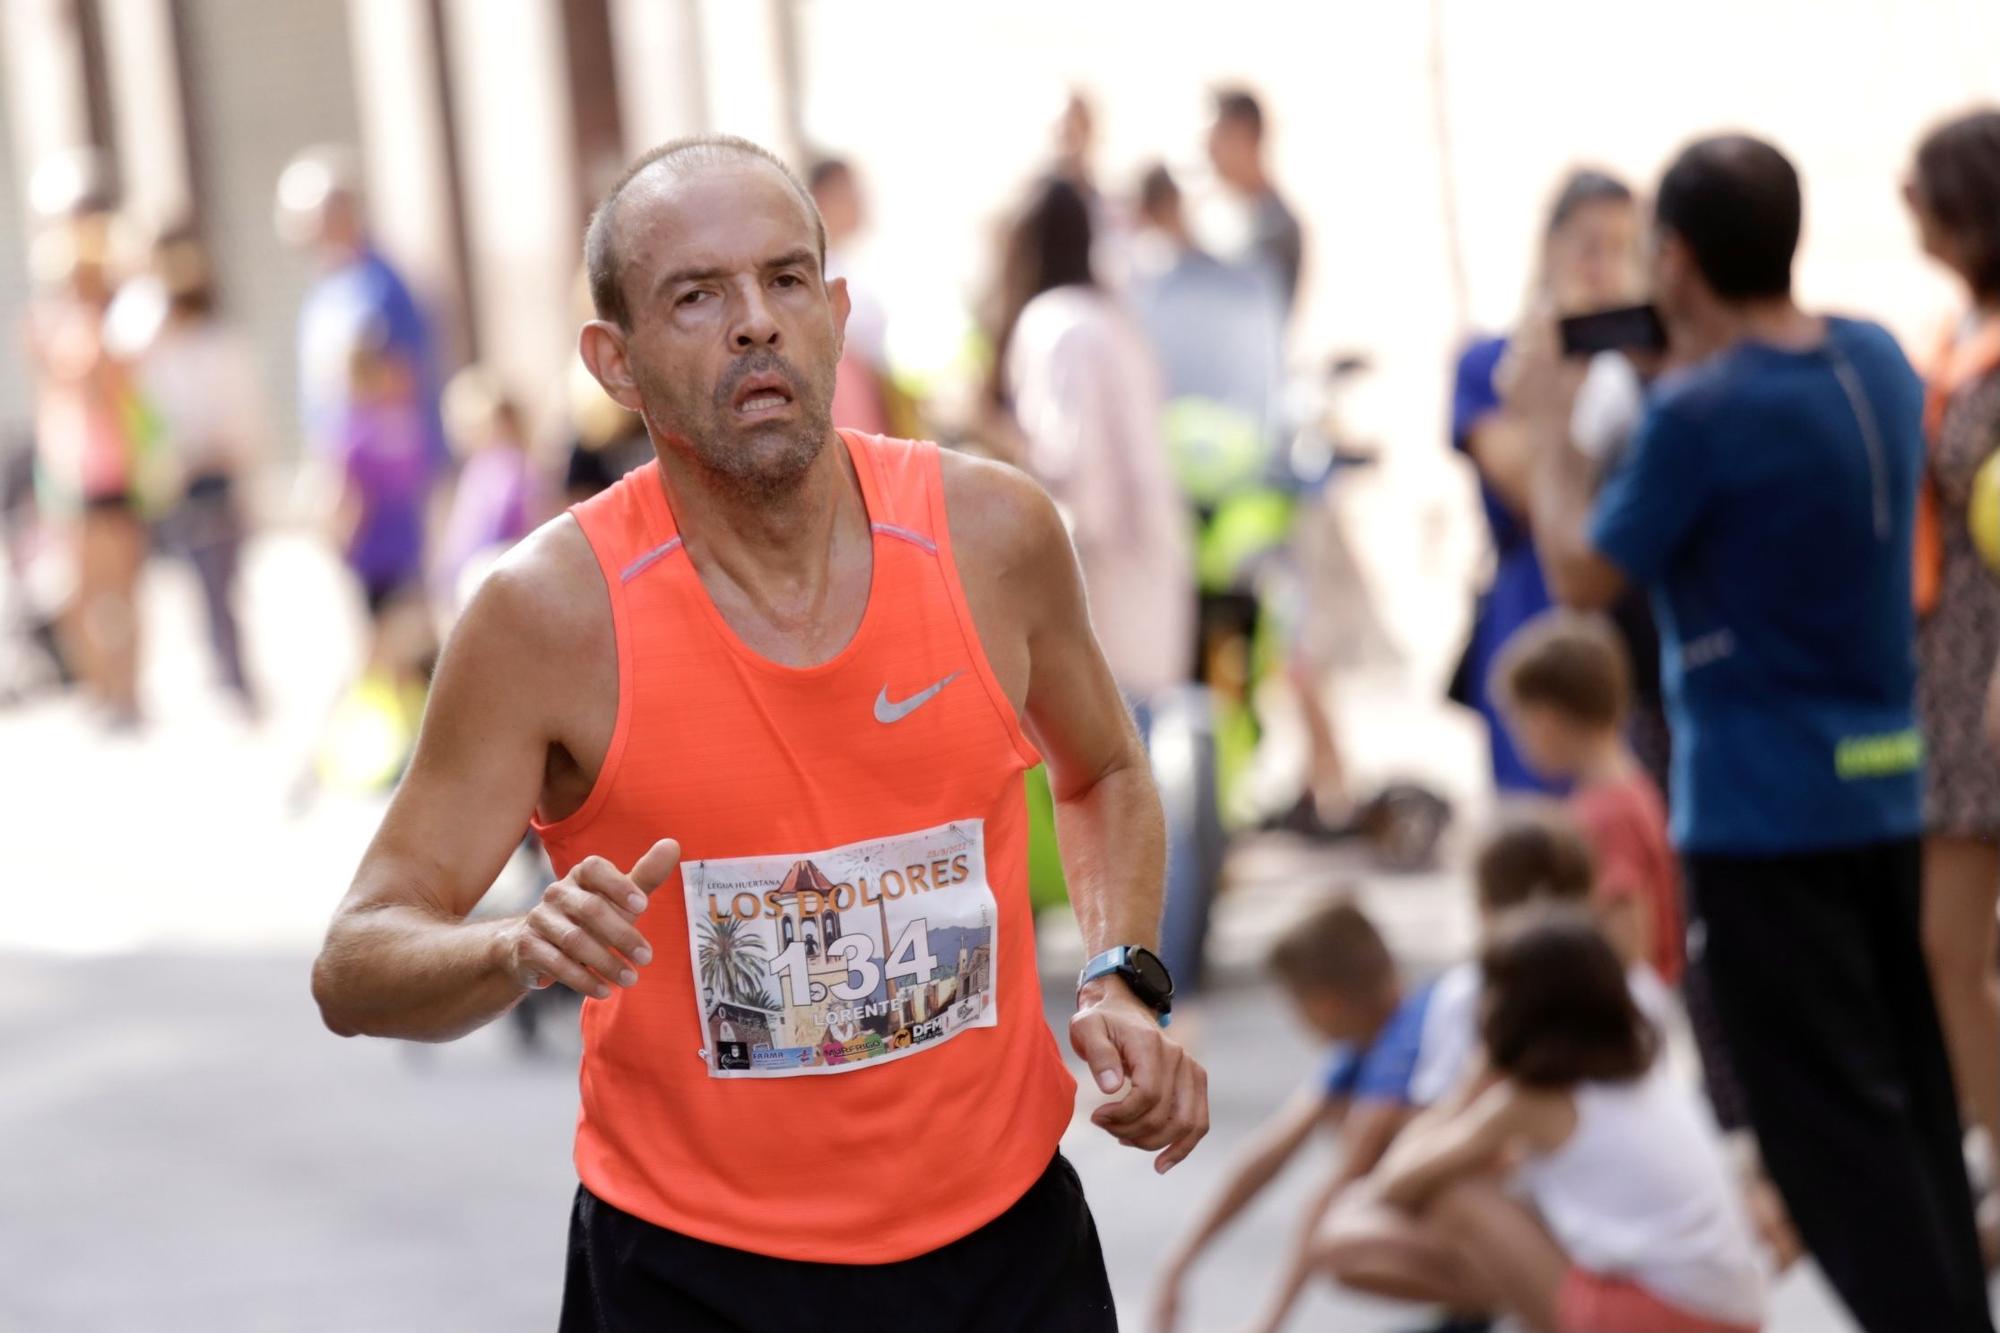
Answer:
(911, 957)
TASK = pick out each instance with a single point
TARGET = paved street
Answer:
(184, 1147)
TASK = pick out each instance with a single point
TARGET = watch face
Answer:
(1149, 976)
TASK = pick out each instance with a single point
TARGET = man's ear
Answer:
(843, 306)
(602, 345)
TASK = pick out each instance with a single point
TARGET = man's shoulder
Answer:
(1690, 395)
(1869, 345)
(1855, 333)
(548, 591)
(1000, 518)
(1275, 212)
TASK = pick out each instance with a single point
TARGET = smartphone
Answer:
(1632, 328)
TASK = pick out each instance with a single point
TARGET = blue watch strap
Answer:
(1103, 965)
(1106, 964)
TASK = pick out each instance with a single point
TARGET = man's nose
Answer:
(755, 324)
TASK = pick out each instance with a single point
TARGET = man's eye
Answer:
(788, 280)
(689, 298)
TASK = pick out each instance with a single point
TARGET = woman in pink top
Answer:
(1080, 380)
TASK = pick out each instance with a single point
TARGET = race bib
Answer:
(825, 962)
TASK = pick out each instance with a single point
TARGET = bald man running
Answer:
(769, 702)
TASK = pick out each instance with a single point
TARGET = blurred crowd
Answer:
(1140, 369)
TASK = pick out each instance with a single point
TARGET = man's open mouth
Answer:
(762, 393)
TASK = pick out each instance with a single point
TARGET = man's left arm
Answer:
(1113, 839)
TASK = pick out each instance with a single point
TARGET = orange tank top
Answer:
(838, 1052)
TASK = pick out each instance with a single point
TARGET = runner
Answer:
(769, 703)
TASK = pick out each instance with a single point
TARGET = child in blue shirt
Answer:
(1345, 987)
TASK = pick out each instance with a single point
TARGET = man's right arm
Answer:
(401, 959)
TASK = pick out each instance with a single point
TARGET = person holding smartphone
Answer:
(1589, 262)
(1767, 503)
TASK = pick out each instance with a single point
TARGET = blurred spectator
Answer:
(1954, 192)
(1768, 502)
(1236, 148)
(1589, 261)
(1344, 988)
(1576, 1186)
(93, 437)
(1074, 144)
(491, 505)
(1217, 328)
(861, 382)
(382, 451)
(1564, 683)
(198, 376)
(1085, 393)
(357, 294)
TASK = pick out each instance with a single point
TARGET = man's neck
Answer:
(1774, 321)
(1254, 182)
(774, 546)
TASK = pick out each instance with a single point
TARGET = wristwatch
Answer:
(1141, 969)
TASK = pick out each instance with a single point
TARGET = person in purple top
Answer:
(492, 505)
(385, 471)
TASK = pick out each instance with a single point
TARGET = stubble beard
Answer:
(756, 466)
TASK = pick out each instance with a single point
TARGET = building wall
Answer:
(265, 80)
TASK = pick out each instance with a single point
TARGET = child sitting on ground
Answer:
(1564, 684)
(1532, 854)
(1344, 986)
(1631, 1222)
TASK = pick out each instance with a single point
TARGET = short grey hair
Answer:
(601, 260)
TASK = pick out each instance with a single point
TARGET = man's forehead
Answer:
(710, 212)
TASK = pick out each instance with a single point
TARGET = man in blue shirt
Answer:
(1767, 503)
(357, 296)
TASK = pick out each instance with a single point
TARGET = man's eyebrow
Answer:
(800, 257)
(681, 275)
(793, 258)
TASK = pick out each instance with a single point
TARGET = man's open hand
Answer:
(1166, 1102)
(581, 932)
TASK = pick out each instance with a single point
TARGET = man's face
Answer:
(1232, 150)
(734, 331)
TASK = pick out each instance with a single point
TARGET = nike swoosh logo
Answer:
(887, 712)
